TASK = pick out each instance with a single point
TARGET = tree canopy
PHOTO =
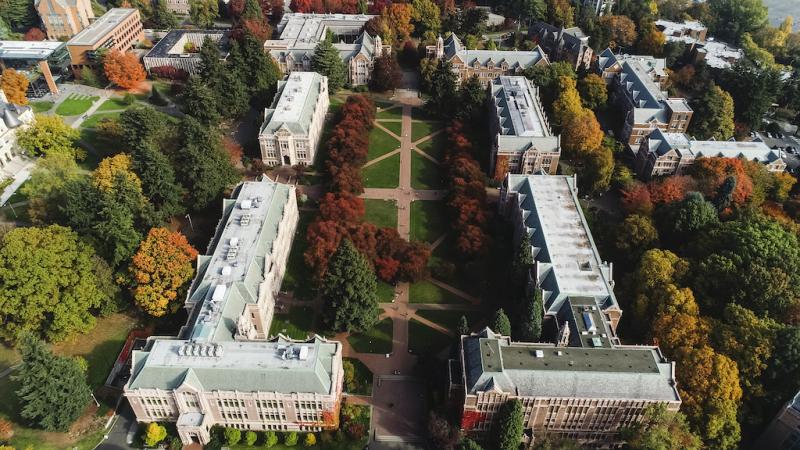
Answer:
(507, 428)
(49, 135)
(327, 62)
(349, 290)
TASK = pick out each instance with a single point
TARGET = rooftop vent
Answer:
(539, 354)
(303, 354)
(227, 270)
(246, 204)
(219, 293)
(245, 220)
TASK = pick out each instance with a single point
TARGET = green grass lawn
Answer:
(376, 340)
(8, 357)
(421, 129)
(382, 213)
(385, 292)
(434, 146)
(392, 113)
(394, 127)
(297, 324)
(94, 119)
(298, 276)
(114, 104)
(424, 340)
(426, 292)
(459, 275)
(383, 174)
(449, 318)
(75, 104)
(380, 143)
(363, 378)
(428, 220)
(425, 174)
(41, 106)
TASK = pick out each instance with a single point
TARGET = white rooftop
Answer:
(101, 27)
(233, 354)
(293, 97)
(28, 49)
(721, 55)
(312, 27)
(522, 108)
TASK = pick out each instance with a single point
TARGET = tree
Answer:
(620, 29)
(35, 34)
(142, 125)
(581, 134)
(593, 91)
(660, 430)
(40, 265)
(310, 440)
(753, 89)
(560, 13)
(47, 179)
(225, 82)
(441, 434)
(651, 40)
(472, 96)
(349, 290)
(163, 18)
(567, 106)
(508, 427)
(18, 14)
(692, 215)
(468, 444)
(15, 86)
(597, 165)
(463, 326)
(270, 439)
(201, 102)
(232, 435)
(529, 327)
(500, 323)
(203, 12)
(782, 374)
(636, 235)
(734, 17)
(158, 181)
(426, 16)
(711, 173)
(442, 91)
(154, 433)
(49, 135)
(398, 19)
(123, 69)
(290, 439)
(161, 266)
(713, 117)
(52, 389)
(105, 175)
(327, 62)
(386, 75)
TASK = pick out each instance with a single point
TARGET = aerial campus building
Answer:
(671, 153)
(119, 28)
(585, 385)
(716, 54)
(63, 19)
(224, 367)
(293, 123)
(180, 49)
(563, 44)
(783, 431)
(13, 118)
(44, 63)
(484, 64)
(522, 140)
(299, 35)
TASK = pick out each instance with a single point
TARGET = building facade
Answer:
(636, 87)
(715, 54)
(563, 44)
(671, 153)
(63, 19)
(180, 7)
(119, 28)
(784, 431)
(293, 123)
(299, 35)
(224, 368)
(581, 384)
(484, 64)
(45, 63)
(689, 32)
(599, 7)
(181, 49)
(13, 119)
(522, 139)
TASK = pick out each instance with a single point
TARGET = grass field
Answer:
(434, 146)
(392, 113)
(424, 340)
(421, 129)
(298, 276)
(425, 174)
(383, 174)
(41, 106)
(382, 213)
(376, 340)
(385, 292)
(75, 105)
(428, 220)
(8, 357)
(394, 127)
(380, 143)
(426, 292)
(363, 378)
(114, 104)
(94, 119)
(297, 324)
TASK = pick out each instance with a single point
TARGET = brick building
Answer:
(119, 28)
(64, 18)
(563, 44)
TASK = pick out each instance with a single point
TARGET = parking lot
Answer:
(792, 143)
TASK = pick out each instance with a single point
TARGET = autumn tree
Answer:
(398, 18)
(620, 29)
(35, 34)
(560, 13)
(711, 173)
(426, 16)
(713, 115)
(651, 40)
(15, 85)
(123, 69)
(660, 429)
(154, 433)
(49, 135)
(349, 290)
(593, 91)
(107, 171)
(568, 104)
(670, 189)
(636, 235)
(386, 75)
(582, 134)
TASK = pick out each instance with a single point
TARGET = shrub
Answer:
(270, 439)
(290, 440)
(169, 73)
(154, 433)
(232, 436)
(311, 440)
(250, 438)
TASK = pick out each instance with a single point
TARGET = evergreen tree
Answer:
(252, 10)
(725, 193)
(349, 289)
(529, 328)
(53, 390)
(522, 262)
(472, 94)
(232, 95)
(442, 91)
(327, 61)
(500, 323)
(255, 68)
(508, 427)
(18, 14)
(158, 182)
(143, 124)
(200, 102)
(163, 18)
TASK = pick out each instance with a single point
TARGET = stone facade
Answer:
(563, 44)
(64, 18)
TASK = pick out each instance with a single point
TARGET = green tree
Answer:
(200, 102)
(52, 389)
(472, 105)
(425, 14)
(290, 439)
(660, 430)
(232, 435)
(349, 289)
(18, 14)
(529, 327)
(201, 164)
(46, 181)
(49, 283)
(636, 235)
(49, 135)
(469, 444)
(255, 68)
(203, 12)
(593, 90)
(163, 18)
(507, 428)
(753, 90)
(713, 115)
(224, 80)
(442, 91)
(143, 124)
(154, 433)
(547, 78)
(270, 439)
(597, 164)
(736, 17)
(158, 182)
(500, 323)
(782, 375)
(560, 13)
(691, 215)
(327, 62)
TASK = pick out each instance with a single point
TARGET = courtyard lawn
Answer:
(94, 119)
(380, 143)
(298, 277)
(426, 292)
(376, 340)
(421, 129)
(391, 113)
(395, 127)
(298, 323)
(114, 104)
(363, 378)
(382, 213)
(385, 292)
(425, 174)
(434, 146)
(383, 174)
(450, 318)
(75, 104)
(458, 275)
(428, 220)
(41, 106)
(424, 340)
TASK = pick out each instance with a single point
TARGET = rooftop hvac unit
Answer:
(227, 270)
(245, 220)
(303, 354)
(246, 204)
(234, 242)
(539, 354)
(219, 293)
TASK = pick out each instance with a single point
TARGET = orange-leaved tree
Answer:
(123, 69)
(160, 268)
(14, 84)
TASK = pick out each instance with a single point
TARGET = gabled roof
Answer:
(513, 59)
(294, 103)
